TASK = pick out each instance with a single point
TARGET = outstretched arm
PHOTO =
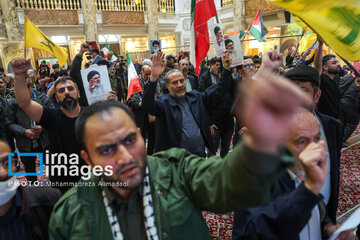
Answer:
(319, 56)
(33, 109)
(149, 103)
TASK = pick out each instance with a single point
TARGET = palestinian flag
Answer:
(257, 28)
(201, 12)
(242, 33)
(106, 49)
(134, 85)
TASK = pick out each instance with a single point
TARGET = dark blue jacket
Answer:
(334, 134)
(168, 113)
(283, 218)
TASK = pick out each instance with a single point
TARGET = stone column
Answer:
(88, 8)
(153, 19)
(10, 21)
(239, 18)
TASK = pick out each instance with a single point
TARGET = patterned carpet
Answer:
(220, 226)
(349, 193)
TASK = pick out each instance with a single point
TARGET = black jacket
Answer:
(168, 122)
(141, 115)
(37, 205)
(193, 82)
(17, 121)
(3, 128)
(205, 81)
(334, 134)
(76, 76)
(281, 219)
(220, 112)
(350, 99)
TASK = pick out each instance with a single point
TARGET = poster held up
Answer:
(96, 83)
(233, 45)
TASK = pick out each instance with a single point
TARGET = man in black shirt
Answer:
(329, 102)
(56, 68)
(58, 122)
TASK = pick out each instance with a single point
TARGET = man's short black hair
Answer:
(214, 60)
(63, 72)
(55, 66)
(227, 41)
(2, 69)
(216, 29)
(63, 80)
(96, 108)
(326, 58)
(91, 74)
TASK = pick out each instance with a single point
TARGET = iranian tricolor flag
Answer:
(106, 49)
(257, 28)
(201, 12)
(134, 85)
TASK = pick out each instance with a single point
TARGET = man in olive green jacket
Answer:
(162, 196)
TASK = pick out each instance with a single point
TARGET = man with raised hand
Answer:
(148, 197)
(181, 116)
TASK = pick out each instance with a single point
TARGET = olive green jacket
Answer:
(182, 185)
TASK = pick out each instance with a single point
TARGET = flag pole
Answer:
(357, 73)
(24, 38)
(241, 40)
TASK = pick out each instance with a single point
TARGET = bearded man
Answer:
(181, 117)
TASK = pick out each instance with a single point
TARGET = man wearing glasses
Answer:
(247, 70)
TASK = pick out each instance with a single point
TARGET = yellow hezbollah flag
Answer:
(36, 39)
(137, 2)
(307, 41)
(337, 22)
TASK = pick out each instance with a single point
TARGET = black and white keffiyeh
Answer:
(149, 214)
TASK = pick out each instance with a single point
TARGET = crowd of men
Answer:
(262, 139)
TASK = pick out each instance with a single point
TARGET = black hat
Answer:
(227, 41)
(155, 42)
(304, 74)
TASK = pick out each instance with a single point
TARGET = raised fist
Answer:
(313, 159)
(20, 66)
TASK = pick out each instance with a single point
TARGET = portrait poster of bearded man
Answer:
(96, 83)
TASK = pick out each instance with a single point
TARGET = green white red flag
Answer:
(201, 12)
(134, 85)
(257, 28)
(106, 49)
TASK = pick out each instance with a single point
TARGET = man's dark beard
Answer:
(69, 105)
(338, 70)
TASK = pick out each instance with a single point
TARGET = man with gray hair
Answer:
(181, 117)
(191, 82)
